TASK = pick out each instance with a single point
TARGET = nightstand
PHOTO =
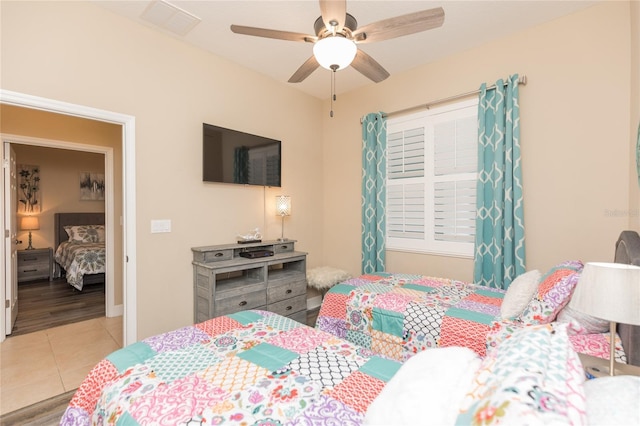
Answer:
(35, 264)
(594, 364)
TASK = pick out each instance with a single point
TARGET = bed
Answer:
(81, 257)
(257, 367)
(399, 315)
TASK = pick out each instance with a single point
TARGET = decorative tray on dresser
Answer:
(267, 275)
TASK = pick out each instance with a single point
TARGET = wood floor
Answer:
(45, 304)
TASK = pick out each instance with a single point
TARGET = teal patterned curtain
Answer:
(374, 173)
(499, 247)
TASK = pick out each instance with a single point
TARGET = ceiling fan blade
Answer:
(400, 26)
(280, 35)
(305, 70)
(368, 67)
(333, 10)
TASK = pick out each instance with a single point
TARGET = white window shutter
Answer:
(455, 211)
(431, 180)
(405, 154)
(405, 211)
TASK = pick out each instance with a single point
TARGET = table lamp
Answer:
(609, 291)
(29, 223)
(283, 208)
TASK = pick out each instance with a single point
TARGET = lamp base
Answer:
(282, 239)
(30, 247)
(596, 372)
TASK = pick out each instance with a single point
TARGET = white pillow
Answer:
(519, 294)
(613, 400)
(428, 388)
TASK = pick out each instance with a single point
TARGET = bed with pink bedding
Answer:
(399, 315)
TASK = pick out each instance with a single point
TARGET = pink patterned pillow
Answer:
(554, 292)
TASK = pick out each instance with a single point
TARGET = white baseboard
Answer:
(116, 311)
(314, 302)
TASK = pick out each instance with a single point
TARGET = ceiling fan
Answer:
(337, 34)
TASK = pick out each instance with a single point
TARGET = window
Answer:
(431, 180)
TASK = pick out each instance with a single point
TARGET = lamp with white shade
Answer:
(29, 223)
(283, 208)
(609, 291)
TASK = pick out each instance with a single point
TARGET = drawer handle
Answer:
(29, 270)
(289, 291)
(244, 302)
(284, 247)
(289, 308)
(29, 258)
(219, 254)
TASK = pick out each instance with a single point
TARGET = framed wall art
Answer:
(29, 194)
(91, 186)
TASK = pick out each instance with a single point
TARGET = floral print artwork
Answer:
(29, 189)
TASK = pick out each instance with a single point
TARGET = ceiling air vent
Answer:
(170, 17)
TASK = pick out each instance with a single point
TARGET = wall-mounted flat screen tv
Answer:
(230, 156)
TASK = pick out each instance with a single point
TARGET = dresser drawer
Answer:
(283, 247)
(286, 290)
(214, 256)
(39, 258)
(32, 274)
(228, 304)
(289, 306)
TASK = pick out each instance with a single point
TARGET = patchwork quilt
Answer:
(251, 367)
(398, 315)
(80, 259)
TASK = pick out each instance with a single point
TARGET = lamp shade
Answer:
(283, 205)
(609, 291)
(334, 50)
(29, 223)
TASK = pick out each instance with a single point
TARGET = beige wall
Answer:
(79, 53)
(575, 135)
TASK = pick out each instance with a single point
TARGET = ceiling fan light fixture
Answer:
(334, 50)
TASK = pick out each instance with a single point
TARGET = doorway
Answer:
(45, 297)
(127, 219)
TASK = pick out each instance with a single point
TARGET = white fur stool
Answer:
(323, 278)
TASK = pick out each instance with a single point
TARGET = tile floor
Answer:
(39, 365)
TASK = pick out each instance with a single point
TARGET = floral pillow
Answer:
(554, 292)
(86, 233)
(532, 377)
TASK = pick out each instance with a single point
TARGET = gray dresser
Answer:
(224, 282)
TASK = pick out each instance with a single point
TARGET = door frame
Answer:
(129, 205)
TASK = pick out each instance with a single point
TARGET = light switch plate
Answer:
(160, 226)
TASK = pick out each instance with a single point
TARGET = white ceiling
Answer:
(466, 24)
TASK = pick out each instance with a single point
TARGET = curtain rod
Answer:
(522, 80)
